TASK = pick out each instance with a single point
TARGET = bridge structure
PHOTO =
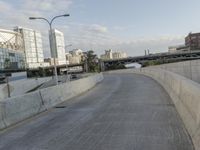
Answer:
(163, 57)
(107, 64)
(68, 66)
(62, 67)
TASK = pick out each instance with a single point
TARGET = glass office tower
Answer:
(32, 45)
(58, 47)
(11, 59)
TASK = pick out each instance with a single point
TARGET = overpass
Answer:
(60, 67)
(165, 57)
(51, 68)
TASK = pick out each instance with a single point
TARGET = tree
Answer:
(41, 72)
(153, 63)
(91, 60)
(116, 66)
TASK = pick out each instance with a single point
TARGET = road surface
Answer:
(124, 112)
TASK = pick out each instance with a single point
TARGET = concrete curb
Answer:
(2, 115)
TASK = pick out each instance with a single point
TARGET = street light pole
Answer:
(53, 51)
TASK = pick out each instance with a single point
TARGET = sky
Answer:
(131, 26)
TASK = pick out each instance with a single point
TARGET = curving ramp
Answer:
(125, 112)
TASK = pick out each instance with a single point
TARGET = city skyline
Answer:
(130, 26)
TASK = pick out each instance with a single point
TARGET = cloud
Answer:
(18, 12)
(90, 37)
(133, 47)
(96, 28)
(46, 6)
(119, 28)
(4, 6)
(136, 46)
(81, 35)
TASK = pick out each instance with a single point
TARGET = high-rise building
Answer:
(58, 46)
(32, 47)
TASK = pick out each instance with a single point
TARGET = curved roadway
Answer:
(124, 112)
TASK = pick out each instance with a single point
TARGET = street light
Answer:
(51, 40)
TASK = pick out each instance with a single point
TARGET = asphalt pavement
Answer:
(124, 112)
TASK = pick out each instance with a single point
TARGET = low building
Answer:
(193, 41)
(74, 56)
(119, 55)
(73, 59)
(178, 49)
(109, 55)
(50, 61)
(11, 59)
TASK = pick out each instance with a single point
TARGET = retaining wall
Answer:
(185, 94)
(20, 87)
(15, 109)
(188, 69)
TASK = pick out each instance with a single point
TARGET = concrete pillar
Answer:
(102, 66)
(85, 67)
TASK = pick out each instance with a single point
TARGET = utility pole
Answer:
(52, 45)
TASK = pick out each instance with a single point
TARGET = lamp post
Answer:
(52, 46)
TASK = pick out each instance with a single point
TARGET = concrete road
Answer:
(124, 112)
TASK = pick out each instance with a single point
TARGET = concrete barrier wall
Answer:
(185, 94)
(18, 76)
(188, 69)
(54, 95)
(20, 87)
(13, 110)
(20, 107)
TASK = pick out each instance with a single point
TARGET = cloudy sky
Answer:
(122, 25)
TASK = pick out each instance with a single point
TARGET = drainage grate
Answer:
(60, 107)
(171, 105)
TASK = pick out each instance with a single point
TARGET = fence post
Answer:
(8, 87)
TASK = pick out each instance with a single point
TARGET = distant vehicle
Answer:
(133, 65)
(2, 78)
(74, 76)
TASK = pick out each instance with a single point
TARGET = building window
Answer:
(11, 54)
